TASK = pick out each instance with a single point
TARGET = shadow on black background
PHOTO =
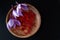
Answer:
(48, 30)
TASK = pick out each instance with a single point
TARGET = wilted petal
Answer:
(24, 6)
(18, 9)
(15, 14)
(16, 22)
(10, 23)
(13, 23)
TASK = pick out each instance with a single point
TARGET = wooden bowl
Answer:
(36, 25)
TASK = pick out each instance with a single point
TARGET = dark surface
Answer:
(50, 27)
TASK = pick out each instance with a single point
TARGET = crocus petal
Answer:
(10, 23)
(24, 6)
(16, 22)
(18, 9)
(15, 14)
(13, 23)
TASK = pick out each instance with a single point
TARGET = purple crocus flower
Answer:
(13, 23)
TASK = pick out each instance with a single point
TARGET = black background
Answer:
(49, 10)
